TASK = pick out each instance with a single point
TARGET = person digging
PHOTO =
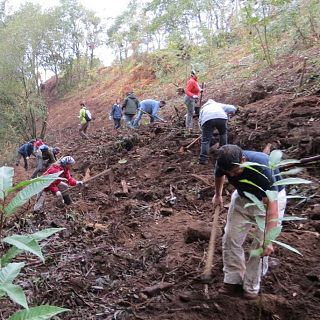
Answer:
(240, 276)
(46, 156)
(25, 151)
(58, 187)
(151, 108)
(213, 115)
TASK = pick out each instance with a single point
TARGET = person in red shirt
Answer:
(192, 92)
(58, 187)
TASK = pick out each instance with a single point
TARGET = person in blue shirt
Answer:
(25, 151)
(116, 114)
(151, 108)
(241, 276)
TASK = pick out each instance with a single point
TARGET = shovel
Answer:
(206, 276)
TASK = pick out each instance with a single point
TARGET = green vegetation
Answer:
(21, 243)
(275, 162)
(169, 37)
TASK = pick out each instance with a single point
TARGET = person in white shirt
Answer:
(213, 115)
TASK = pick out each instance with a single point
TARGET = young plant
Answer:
(19, 243)
(275, 162)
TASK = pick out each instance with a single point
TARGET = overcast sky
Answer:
(103, 8)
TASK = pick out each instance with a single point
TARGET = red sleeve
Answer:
(192, 88)
(71, 181)
(53, 187)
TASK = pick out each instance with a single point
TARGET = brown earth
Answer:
(117, 245)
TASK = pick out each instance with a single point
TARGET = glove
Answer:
(80, 183)
(59, 195)
(195, 97)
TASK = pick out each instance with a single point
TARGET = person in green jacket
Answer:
(130, 107)
(85, 118)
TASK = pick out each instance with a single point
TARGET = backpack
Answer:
(88, 116)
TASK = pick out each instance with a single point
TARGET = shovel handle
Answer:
(212, 243)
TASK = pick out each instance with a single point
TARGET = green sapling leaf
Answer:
(286, 246)
(289, 181)
(6, 178)
(15, 293)
(25, 243)
(43, 312)
(275, 158)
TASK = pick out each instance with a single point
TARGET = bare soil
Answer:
(116, 245)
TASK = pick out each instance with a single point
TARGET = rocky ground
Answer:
(130, 250)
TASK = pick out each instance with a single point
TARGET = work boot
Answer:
(250, 296)
(234, 290)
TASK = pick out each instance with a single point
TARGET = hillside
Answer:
(118, 243)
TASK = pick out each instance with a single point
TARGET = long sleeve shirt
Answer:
(116, 112)
(215, 110)
(192, 88)
(151, 107)
(27, 149)
(65, 174)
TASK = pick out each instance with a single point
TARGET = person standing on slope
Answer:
(58, 187)
(85, 118)
(192, 92)
(130, 106)
(116, 114)
(213, 115)
(25, 151)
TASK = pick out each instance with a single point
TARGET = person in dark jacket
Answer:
(130, 106)
(116, 114)
(46, 156)
(25, 151)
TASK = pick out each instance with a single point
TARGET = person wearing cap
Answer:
(213, 115)
(25, 151)
(151, 108)
(243, 277)
(130, 106)
(45, 157)
(58, 187)
(192, 92)
(85, 118)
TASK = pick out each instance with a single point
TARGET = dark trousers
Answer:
(19, 156)
(207, 132)
(117, 123)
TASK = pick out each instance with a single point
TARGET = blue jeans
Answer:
(129, 120)
(207, 131)
(190, 103)
(137, 119)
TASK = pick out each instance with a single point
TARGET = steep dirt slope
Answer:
(117, 243)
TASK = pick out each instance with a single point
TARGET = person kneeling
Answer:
(58, 187)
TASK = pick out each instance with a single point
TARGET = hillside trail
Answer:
(136, 239)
